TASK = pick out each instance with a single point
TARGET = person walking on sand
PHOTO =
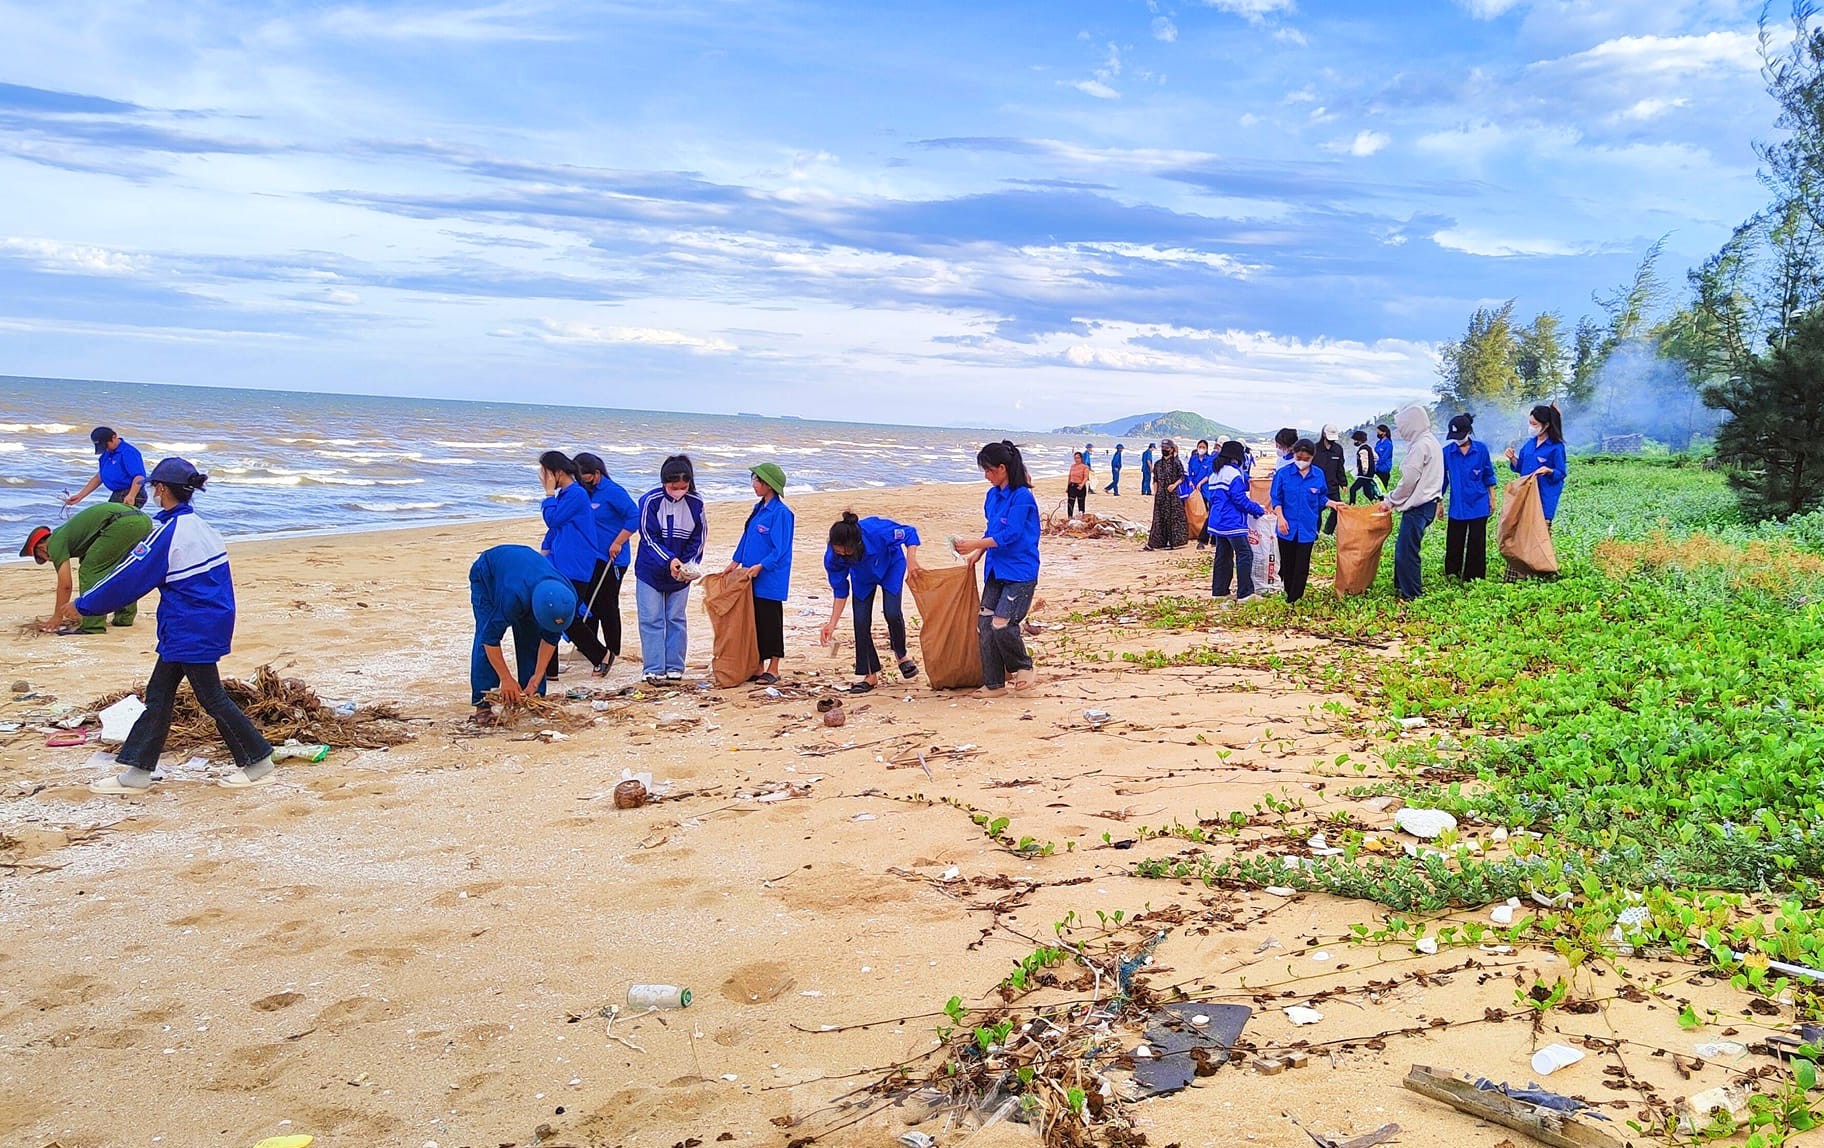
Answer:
(1298, 496)
(118, 466)
(99, 538)
(1469, 476)
(617, 520)
(1542, 454)
(1225, 492)
(1011, 542)
(1416, 497)
(1365, 467)
(673, 529)
(1334, 462)
(184, 559)
(1383, 455)
(515, 588)
(573, 546)
(765, 554)
(1076, 487)
(864, 555)
(1170, 527)
(1114, 471)
(1089, 455)
(1146, 469)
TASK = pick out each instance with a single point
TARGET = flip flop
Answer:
(765, 679)
(239, 780)
(65, 739)
(111, 785)
(861, 688)
(908, 669)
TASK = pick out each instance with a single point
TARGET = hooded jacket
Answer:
(185, 560)
(1422, 473)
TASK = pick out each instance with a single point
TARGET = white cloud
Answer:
(1362, 145)
(1290, 36)
(1097, 89)
(1661, 56)
(1473, 242)
(1254, 11)
(572, 331)
(1489, 9)
(491, 23)
(1652, 108)
(1164, 29)
(73, 258)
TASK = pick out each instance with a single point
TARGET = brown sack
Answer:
(1196, 513)
(1526, 541)
(1260, 489)
(948, 604)
(728, 599)
(1361, 531)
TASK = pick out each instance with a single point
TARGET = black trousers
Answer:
(1466, 548)
(1076, 499)
(861, 611)
(582, 630)
(605, 614)
(146, 740)
(1365, 484)
(1294, 567)
(1234, 560)
(769, 627)
(1330, 522)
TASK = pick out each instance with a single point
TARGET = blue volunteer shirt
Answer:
(882, 561)
(766, 542)
(614, 512)
(1532, 456)
(501, 586)
(1383, 456)
(1468, 478)
(120, 466)
(570, 533)
(1012, 515)
(1302, 497)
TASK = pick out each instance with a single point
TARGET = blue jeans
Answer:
(1146, 480)
(1406, 551)
(482, 675)
(1114, 481)
(663, 638)
(1003, 649)
(1234, 557)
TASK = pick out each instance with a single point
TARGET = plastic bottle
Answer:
(657, 996)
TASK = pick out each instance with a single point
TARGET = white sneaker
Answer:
(674, 676)
(1249, 598)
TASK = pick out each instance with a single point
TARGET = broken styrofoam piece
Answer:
(1280, 890)
(1426, 945)
(1502, 914)
(117, 720)
(1423, 823)
(1499, 835)
(1719, 1049)
(1699, 1112)
(1553, 1057)
(1299, 1014)
(1412, 723)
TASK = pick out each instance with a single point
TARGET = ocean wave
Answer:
(449, 461)
(480, 445)
(515, 497)
(36, 428)
(178, 447)
(11, 447)
(394, 507)
(372, 455)
(335, 441)
(312, 480)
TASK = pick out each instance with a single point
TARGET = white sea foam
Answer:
(178, 447)
(36, 428)
(11, 447)
(480, 445)
(394, 507)
(515, 497)
(449, 461)
(372, 455)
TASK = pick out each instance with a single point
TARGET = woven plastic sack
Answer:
(728, 599)
(949, 603)
(1524, 538)
(1196, 512)
(1361, 532)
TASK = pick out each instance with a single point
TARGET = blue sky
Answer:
(1017, 215)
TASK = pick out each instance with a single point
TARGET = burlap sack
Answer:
(728, 599)
(948, 604)
(1196, 512)
(1260, 487)
(1525, 540)
(1361, 531)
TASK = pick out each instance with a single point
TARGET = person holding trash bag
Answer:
(1415, 497)
(1170, 528)
(765, 551)
(185, 560)
(515, 588)
(865, 555)
(1298, 496)
(1469, 476)
(1225, 492)
(1542, 454)
(1011, 574)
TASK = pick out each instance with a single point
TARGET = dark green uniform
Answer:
(101, 537)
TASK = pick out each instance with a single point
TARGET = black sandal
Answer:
(765, 679)
(908, 669)
(861, 688)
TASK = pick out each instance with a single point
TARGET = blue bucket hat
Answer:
(553, 605)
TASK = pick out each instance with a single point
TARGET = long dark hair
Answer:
(1004, 453)
(845, 534)
(1550, 418)
(557, 462)
(679, 466)
(182, 491)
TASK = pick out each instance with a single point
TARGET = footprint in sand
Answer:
(277, 1001)
(355, 1011)
(759, 982)
(455, 897)
(206, 917)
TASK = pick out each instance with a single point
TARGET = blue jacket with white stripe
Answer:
(185, 560)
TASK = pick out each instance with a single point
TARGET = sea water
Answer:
(284, 461)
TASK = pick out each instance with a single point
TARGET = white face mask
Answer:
(1303, 465)
(1534, 428)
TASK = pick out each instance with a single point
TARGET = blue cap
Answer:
(101, 437)
(174, 472)
(553, 604)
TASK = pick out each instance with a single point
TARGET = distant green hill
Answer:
(1171, 424)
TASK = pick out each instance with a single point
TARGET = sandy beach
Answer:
(415, 946)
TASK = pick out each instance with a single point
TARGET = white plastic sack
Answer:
(1266, 555)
